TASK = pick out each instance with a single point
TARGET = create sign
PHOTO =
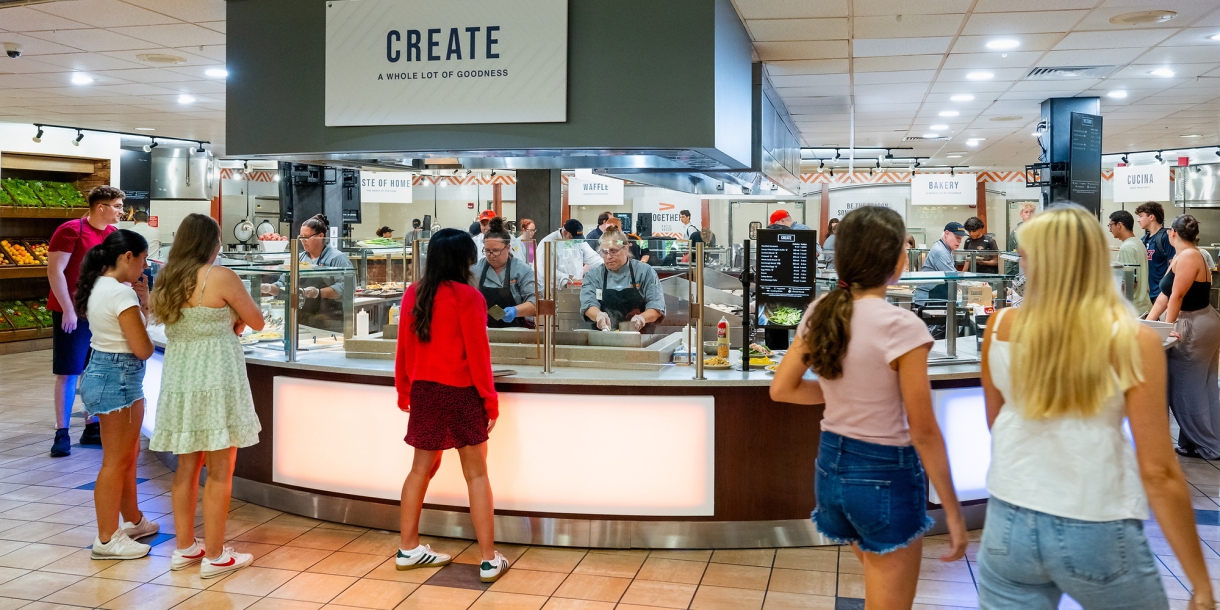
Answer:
(944, 189)
(1141, 183)
(421, 62)
(385, 187)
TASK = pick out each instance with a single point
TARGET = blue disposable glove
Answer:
(510, 314)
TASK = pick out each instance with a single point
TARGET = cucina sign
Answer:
(1134, 183)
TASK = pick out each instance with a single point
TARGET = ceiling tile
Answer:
(190, 59)
(218, 26)
(772, 9)
(809, 66)
(1041, 22)
(905, 76)
(152, 75)
(1114, 39)
(187, 10)
(1029, 42)
(1188, 11)
(1174, 56)
(25, 19)
(812, 80)
(906, 26)
(991, 60)
(34, 47)
(92, 40)
(868, 8)
(104, 13)
(821, 91)
(1099, 57)
(176, 35)
(873, 47)
(87, 61)
(1000, 75)
(775, 51)
(887, 63)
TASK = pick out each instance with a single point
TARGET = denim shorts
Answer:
(111, 382)
(1028, 559)
(873, 495)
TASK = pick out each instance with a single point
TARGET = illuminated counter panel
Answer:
(549, 453)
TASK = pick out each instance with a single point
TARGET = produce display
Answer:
(4, 261)
(759, 351)
(5, 198)
(36, 193)
(272, 237)
(39, 250)
(41, 313)
(18, 315)
(785, 316)
(378, 242)
(20, 192)
(4, 325)
(17, 253)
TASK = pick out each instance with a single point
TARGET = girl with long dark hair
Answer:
(878, 431)
(443, 376)
(112, 294)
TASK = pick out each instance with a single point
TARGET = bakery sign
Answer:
(1141, 183)
(944, 189)
(422, 62)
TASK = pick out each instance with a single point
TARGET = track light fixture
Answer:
(80, 135)
(200, 149)
(837, 155)
(38, 136)
(151, 145)
(1125, 158)
(888, 154)
(468, 172)
(952, 172)
(1158, 157)
(1218, 152)
(493, 172)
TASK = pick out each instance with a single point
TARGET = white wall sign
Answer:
(385, 187)
(944, 189)
(1141, 183)
(585, 188)
(666, 207)
(421, 62)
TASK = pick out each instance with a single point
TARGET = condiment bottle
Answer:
(393, 314)
(722, 337)
(362, 323)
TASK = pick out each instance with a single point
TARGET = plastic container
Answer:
(362, 323)
(722, 337)
(272, 246)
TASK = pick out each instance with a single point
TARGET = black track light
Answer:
(80, 135)
(1218, 152)
(493, 172)
(1125, 158)
(200, 149)
(38, 136)
(151, 145)
(951, 172)
(1158, 157)
(888, 154)
(837, 155)
(468, 172)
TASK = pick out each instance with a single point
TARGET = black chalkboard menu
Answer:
(1084, 176)
(785, 265)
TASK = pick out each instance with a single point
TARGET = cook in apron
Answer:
(502, 296)
(621, 304)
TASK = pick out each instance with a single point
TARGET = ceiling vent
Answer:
(921, 139)
(1067, 72)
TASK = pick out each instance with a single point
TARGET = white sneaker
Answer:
(185, 558)
(119, 547)
(229, 561)
(491, 571)
(421, 556)
(143, 529)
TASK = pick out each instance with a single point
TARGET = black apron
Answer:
(623, 303)
(502, 296)
(320, 313)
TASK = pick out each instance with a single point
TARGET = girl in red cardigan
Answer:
(443, 377)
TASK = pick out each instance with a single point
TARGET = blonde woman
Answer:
(205, 412)
(1068, 493)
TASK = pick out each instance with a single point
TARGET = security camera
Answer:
(13, 49)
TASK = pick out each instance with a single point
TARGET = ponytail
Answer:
(101, 257)
(828, 332)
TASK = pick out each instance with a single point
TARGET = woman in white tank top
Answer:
(1067, 490)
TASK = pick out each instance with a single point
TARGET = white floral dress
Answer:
(205, 402)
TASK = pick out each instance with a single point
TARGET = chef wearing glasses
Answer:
(321, 296)
(622, 290)
(507, 282)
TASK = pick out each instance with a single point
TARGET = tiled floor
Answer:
(46, 526)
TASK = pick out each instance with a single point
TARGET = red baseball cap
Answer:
(486, 215)
(778, 215)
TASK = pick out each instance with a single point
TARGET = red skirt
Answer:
(444, 417)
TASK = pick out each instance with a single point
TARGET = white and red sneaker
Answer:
(185, 558)
(229, 561)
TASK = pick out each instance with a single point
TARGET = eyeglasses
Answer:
(304, 236)
(610, 251)
(490, 252)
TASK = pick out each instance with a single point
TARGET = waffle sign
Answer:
(422, 62)
(944, 189)
(1141, 183)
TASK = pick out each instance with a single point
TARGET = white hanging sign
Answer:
(586, 188)
(1141, 183)
(944, 189)
(385, 187)
(422, 62)
(666, 208)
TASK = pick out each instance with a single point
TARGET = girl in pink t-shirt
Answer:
(871, 359)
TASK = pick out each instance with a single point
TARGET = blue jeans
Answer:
(873, 495)
(1028, 560)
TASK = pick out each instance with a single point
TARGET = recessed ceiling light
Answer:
(972, 143)
(185, 99)
(1117, 94)
(1003, 44)
(217, 72)
(931, 135)
(963, 97)
(938, 127)
(80, 78)
(948, 113)
(161, 58)
(980, 76)
(958, 152)
(1192, 135)
(146, 128)
(1036, 134)
(953, 156)
(1214, 37)
(1143, 17)
(1162, 72)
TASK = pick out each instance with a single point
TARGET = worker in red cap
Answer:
(781, 219)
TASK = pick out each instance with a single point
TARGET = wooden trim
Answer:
(705, 213)
(22, 271)
(497, 200)
(52, 213)
(824, 214)
(48, 163)
(980, 202)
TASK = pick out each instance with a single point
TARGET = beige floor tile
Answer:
(269, 603)
(494, 600)
(36, 585)
(736, 576)
(795, 601)
(31, 511)
(851, 585)
(439, 598)
(762, 558)
(511, 552)
(528, 582)
(723, 598)
(273, 534)
(935, 569)
(803, 581)
(946, 593)
(34, 556)
(550, 560)
(77, 515)
(80, 564)
(388, 571)
(150, 597)
(377, 594)
(672, 570)
(596, 588)
(255, 513)
(189, 578)
(80, 536)
(685, 555)
(324, 539)
(7, 574)
(294, 520)
(347, 564)
(374, 543)
(318, 588)
(561, 603)
(91, 592)
(825, 559)
(35, 531)
(659, 594)
(291, 558)
(450, 546)
(848, 564)
(141, 570)
(342, 526)
(254, 581)
(257, 549)
(214, 600)
(618, 566)
(12, 603)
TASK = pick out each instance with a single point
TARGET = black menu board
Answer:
(1085, 164)
(785, 267)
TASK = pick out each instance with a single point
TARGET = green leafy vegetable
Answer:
(18, 315)
(21, 193)
(786, 316)
(41, 313)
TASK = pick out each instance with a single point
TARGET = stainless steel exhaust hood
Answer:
(1197, 186)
